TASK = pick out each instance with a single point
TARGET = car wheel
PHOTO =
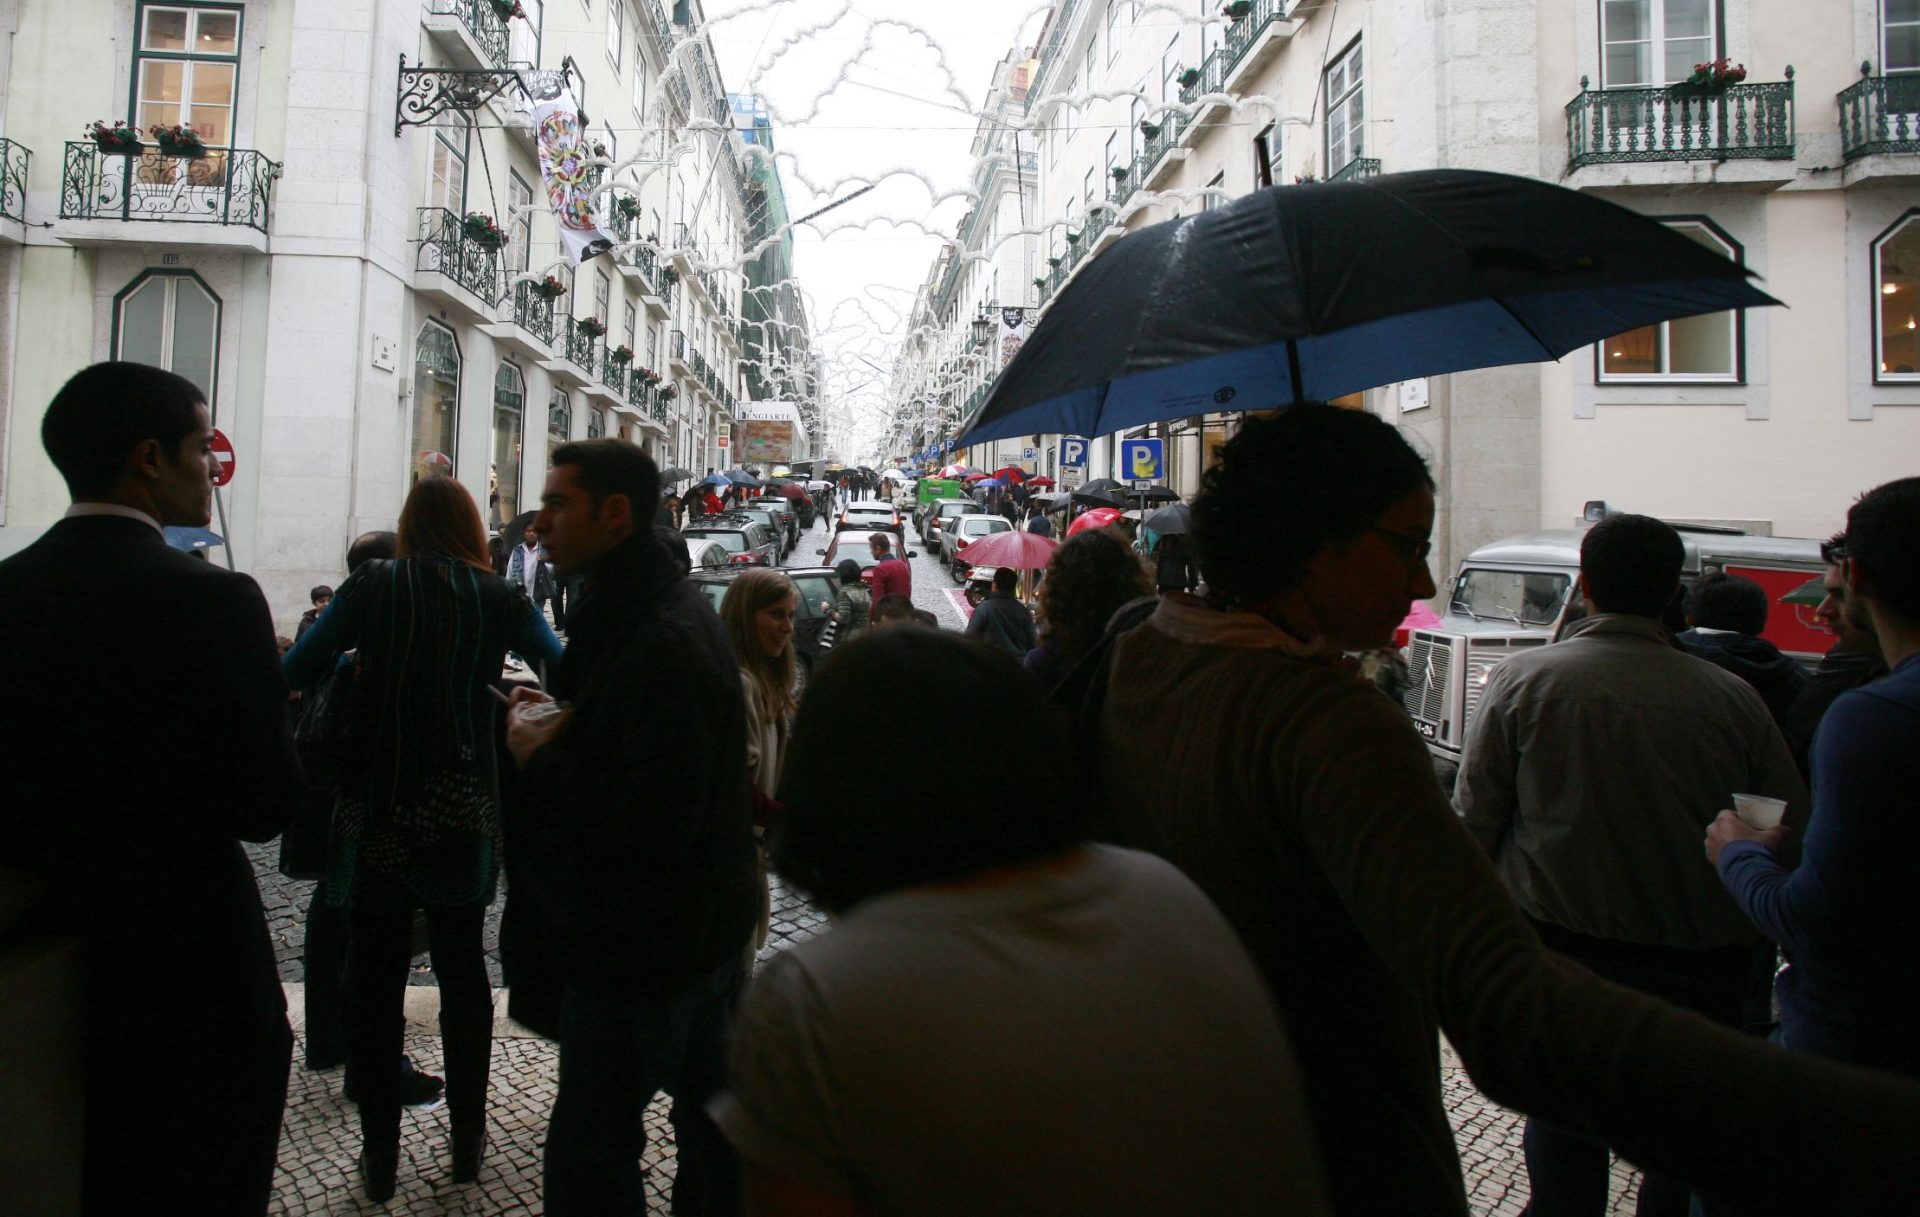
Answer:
(958, 572)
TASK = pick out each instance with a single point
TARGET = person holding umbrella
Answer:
(1002, 621)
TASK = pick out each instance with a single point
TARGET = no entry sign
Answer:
(223, 457)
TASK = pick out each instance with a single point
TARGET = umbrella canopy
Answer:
(995, 482)
(182, 537)
(1099, 498)
(1013, 473)
(1099, 517)
(780, 471)
(1044, 482)
(1419, 617)
(1019, 550)
(1169, 520)
(1099, 484)
(674, 473)
(1151, 494)
(740, 477)
(975, 476)
(895, 474)
(1810, 593)
(1290, 294)
(795, 492)
(717, 479)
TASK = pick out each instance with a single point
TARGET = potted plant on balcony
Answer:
(1120, 173)
(549, 288)
(626, 207)
(622, 355)
(669, 277)
(592, 327)
(479, 228)
(1150, 130)
(507, 10)
(178, 139)
(1238, 9)
(669, 392)
(117, 140)
(1189, 77)
(1040, 283)
(1711, 79)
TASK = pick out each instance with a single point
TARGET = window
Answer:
(523, 37)
(185, 68)
(1900, 35)
(1170, 72)
(447, 181)
(520, 196)
(596, 424)
(1113, 152)
(632, 323)
(1346, 113)
(509, 404)
(602, 296)
(436, 400)
(1086, 192)
(1896, 293)
(1690, 349)
(170, 321)
(1266, 156)
(1210, 199)
(1653, 42)
(614, 13)
(1113, 26)
(613, 142)
(1137, 139)
(1093, 56)
(639, 87)
(559, 422)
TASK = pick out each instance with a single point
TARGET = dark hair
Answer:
(1005, 579)
(1632, 565)
(841, 849)
(880, 540)
(369, 546)
(925, 617)
(676, 547)
(606, 467)
(1883, 540)
(1088, 578)
(893, 607)
(440, 520)
(1728, 602)
(104, 412)
(1287, 487)
(320, 592)
(848, 570)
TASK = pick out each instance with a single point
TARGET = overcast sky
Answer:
(857, 98)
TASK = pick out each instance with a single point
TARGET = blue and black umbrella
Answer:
(1307, 293)
(189, 539)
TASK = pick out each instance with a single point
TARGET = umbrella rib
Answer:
(1521, 322)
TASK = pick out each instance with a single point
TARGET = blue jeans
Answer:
(616, 1053)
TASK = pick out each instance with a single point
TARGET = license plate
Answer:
(1429, 730)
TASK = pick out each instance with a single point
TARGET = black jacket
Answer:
(1777, 678)
(640, 810)
(1002, 621)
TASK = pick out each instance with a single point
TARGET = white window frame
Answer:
(1210, 201)
(615, 13)
(1887, 67)
(1113, 25)
(443, 146)
(1656, 41)
(1737, 329)
(168, 283)
(1093, 55)
(1911, 220)
(188, 60)
(520, 207)
(1351, 98)
(1170, 72)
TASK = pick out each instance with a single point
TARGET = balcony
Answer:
(531, 330)
(222, 200)
(1356, 169)
(470, 33)
(1679, 123)
(14, 160)
(1162, 151)
(579, 346)
(453, 267)
(1212, 81)
(1880, 115)
(1253, 41)
(613, 374)
(677, 355)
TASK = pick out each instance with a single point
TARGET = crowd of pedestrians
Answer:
(1200, 964)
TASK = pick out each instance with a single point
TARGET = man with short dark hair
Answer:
(1853, 660)
(1846, 916)
(320, 596)
(527, 569)
(1591, 769)
(154, 663)
(1726, 615)
(1002, 621)
(890, 574)
(639, 790)
(892, 610)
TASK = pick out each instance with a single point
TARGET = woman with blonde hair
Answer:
(758, 612)
(416, 818)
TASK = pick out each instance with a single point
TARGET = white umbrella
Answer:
(895, 474)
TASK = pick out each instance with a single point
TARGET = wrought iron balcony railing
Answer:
(1681, 123)
(677, 347)
(1213, 76)
(1357, 168)
(579, 346)
(483, 21)
(225, 186)
(1880, 114)
(14, 159)
(533, 312)
(613, 373)
(1242, 34)
(446, 249)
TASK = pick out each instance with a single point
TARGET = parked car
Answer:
(853, 543)
(871, 514)
(774, 524)
(748, 542)
(705, 553)
(940, 511)
(897, 530)
(819, 587)
(784, 508)
(962, 531)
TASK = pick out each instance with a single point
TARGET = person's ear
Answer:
(616, 511)
(146, 458)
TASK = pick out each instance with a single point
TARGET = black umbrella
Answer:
(674, 473)
(1298, 293)
(1151, 494)
(1100, 484)
(1170, 520)
(1099, 498)
(740, 477)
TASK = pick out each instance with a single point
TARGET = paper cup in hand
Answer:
(1758, 811)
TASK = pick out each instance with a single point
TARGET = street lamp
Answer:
(982, 326)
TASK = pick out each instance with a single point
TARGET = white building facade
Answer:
(318, 267)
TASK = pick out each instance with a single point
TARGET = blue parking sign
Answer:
(1073, 451)
(1143, 459)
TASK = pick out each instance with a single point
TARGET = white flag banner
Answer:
(1013, 334)
(562, 140)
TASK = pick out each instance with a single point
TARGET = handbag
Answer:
(324, 739)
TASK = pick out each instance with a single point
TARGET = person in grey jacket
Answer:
(853, 607)
(1002, 621)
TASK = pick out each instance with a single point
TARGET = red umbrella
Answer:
(975, 476)
(1019, 550)
(1044, 482)
(1012, 473)
(1098, 517)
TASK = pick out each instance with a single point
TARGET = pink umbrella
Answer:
(1019, 550)
(1099, 517)
(1419, 617)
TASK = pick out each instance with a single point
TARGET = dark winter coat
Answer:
(1777, 678)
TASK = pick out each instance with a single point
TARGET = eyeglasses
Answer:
(1833, 553)
(1410, 549)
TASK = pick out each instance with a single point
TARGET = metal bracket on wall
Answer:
(427, 93)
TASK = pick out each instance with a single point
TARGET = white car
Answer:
(962, 531)
(706, 554)
(870, 514)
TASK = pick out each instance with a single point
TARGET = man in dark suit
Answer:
(149, 735)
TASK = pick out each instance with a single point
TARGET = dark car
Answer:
(748, 542)
(771, 519)
(782, 507)
(819, 587)
(855, 543)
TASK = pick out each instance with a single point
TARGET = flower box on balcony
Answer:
(1189, 77)
(506, 10)
(117, 140)
(1238, 9)
(627, 207)
(479, 228)
(180, 139)
(1150, 130)
(1710, 79)
(592, 327)
(669, 392)
(622, 355)
(550, 288)
(1119, 173)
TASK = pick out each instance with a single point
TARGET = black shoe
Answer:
(468, 1149)
(422, 1090)
(378, 1169)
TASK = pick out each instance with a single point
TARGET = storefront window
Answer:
(509, 406)
(559, 422)
(436, 400)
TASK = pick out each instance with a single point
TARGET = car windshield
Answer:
(958, 509)
(859, 551)
(984, 525)
(732, 542)
(714, 590)
(1517, 597)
